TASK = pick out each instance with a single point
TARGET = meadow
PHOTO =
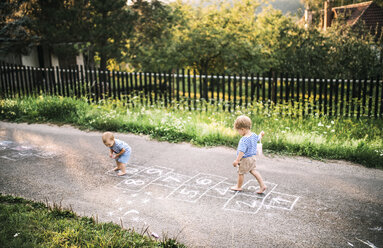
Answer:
(287, 133)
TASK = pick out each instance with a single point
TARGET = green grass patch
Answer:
(31, 224)
(315, 136)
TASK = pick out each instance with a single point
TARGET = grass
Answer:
(315, 136)
(32, 224)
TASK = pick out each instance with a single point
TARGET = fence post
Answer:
(235, 91)
(118, 85)
(377, 97)
(258, 86)
(381, 99)
(26, 81)
(229, 92)
(218, 88)
(359, 97)
(364, 105)
(2, 84)
(165, 88)
(281, 89)
(331, 97)
(246, 90)
(183, 82)
(189, 89)
(336, 97)
(370, 97)
(195, 88)
(156, 88)
(252, 88)
(275, 87)
(83, 91)
(303, 95)
(269, 97)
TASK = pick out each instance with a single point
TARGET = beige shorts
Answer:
(246, 165)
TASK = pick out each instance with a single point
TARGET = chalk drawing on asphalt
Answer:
(13, 151)
(163, 183)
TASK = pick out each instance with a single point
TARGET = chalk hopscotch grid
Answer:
(146, 184)
(226, 190)
(129, 168)
(187, 184)
(211, 187)
(292, 205)
(251, 196)
(169, 175)
(181, 186)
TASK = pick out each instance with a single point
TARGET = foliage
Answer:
(109, 27)
(66, 27)
(150, 47)
(219, 37)
(231, 37)
(315, 136)
(33, 224)
(14, 28)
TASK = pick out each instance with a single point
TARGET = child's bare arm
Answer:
(120, 153)
(236, 161)
(261, 134)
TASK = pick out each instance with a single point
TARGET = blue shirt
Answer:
(119, 145)
(248, 145)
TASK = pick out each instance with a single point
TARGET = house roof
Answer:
(370, 13)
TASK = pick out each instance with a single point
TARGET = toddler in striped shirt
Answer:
(119, 150)
(246, 151)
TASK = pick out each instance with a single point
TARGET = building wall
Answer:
(31, 59)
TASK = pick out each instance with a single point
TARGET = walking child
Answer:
(119, 150)
(246, 151)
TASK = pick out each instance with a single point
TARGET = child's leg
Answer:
(238, 187)
(117, 167)
(262, 186)
(122, 167)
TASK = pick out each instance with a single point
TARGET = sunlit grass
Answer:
(287, 131)
(33, 224)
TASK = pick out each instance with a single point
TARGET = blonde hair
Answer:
(107, 136)
(242, 122)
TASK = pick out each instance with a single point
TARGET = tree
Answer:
(15, 36)
(219, 37)
(110, 24)
(151, 46)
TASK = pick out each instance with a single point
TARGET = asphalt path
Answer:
(179, 190)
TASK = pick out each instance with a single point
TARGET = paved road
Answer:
(181, 190)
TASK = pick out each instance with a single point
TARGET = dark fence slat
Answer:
(195, 88)
(336, 105)
(183, 83)
(229, 92)
(377, 97)
(235, 90)
(381, 98)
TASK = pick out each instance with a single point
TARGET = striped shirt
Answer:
(119, 145)
(248, 145)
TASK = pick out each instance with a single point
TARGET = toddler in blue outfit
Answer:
(246, 151)
(119, 150)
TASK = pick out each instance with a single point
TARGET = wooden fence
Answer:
(333, 97)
